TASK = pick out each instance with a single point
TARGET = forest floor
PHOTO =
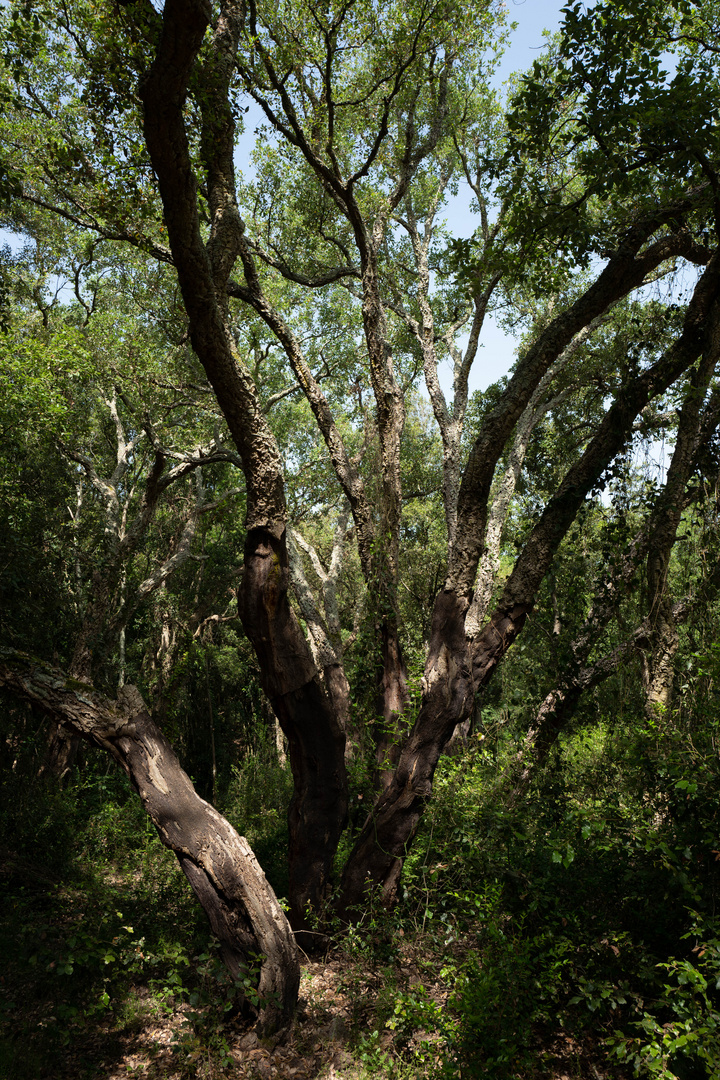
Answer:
(344, 1029)
(527, 956)
(331, 1038)
(369, 1010)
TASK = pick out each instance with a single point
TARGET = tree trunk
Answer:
(392, 730)
(61, 751)
(664, 643)
(658, 634)
(316, 740)
(376, 859)
(455, 668)
(241, 906)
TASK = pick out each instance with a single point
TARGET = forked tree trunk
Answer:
(456, 668)
(315, 737)
(224, 874)
(376, 859)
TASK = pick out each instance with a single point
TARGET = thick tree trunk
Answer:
(376, 859)
(316, 740)
(455, 668)
(658, 635)
(661, 662)
(220, 866)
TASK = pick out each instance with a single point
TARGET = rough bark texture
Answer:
(664, 639)
(376, 859)
(658, 634)
(163, 93)
(393, 695)
(220, 866)
(540, 403)
(626, 270)
(316, 740)
(456, 669)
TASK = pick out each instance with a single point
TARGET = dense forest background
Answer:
(355, 722)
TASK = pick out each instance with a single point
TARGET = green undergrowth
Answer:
(571, 930)
(583, 910)
(257, 802)
(101, 934)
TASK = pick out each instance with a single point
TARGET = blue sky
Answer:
(497, 352)
(532, 17)
(497, 349)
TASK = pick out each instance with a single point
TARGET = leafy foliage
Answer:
(574, 899)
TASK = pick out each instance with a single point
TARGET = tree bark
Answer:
(393, 695)
(240, 904)
(540, 403)
(316, 742)
(626, 270)
(658, 635)
(323, 627)
(664, 639)
(456, 669)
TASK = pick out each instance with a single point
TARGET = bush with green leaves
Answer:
(257, 805)
(678, 1034)
(568, 908)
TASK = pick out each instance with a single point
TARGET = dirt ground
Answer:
(324, 1042)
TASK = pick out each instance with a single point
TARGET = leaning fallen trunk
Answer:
(254, 934)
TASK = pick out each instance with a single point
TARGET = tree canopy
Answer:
(237, 401)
